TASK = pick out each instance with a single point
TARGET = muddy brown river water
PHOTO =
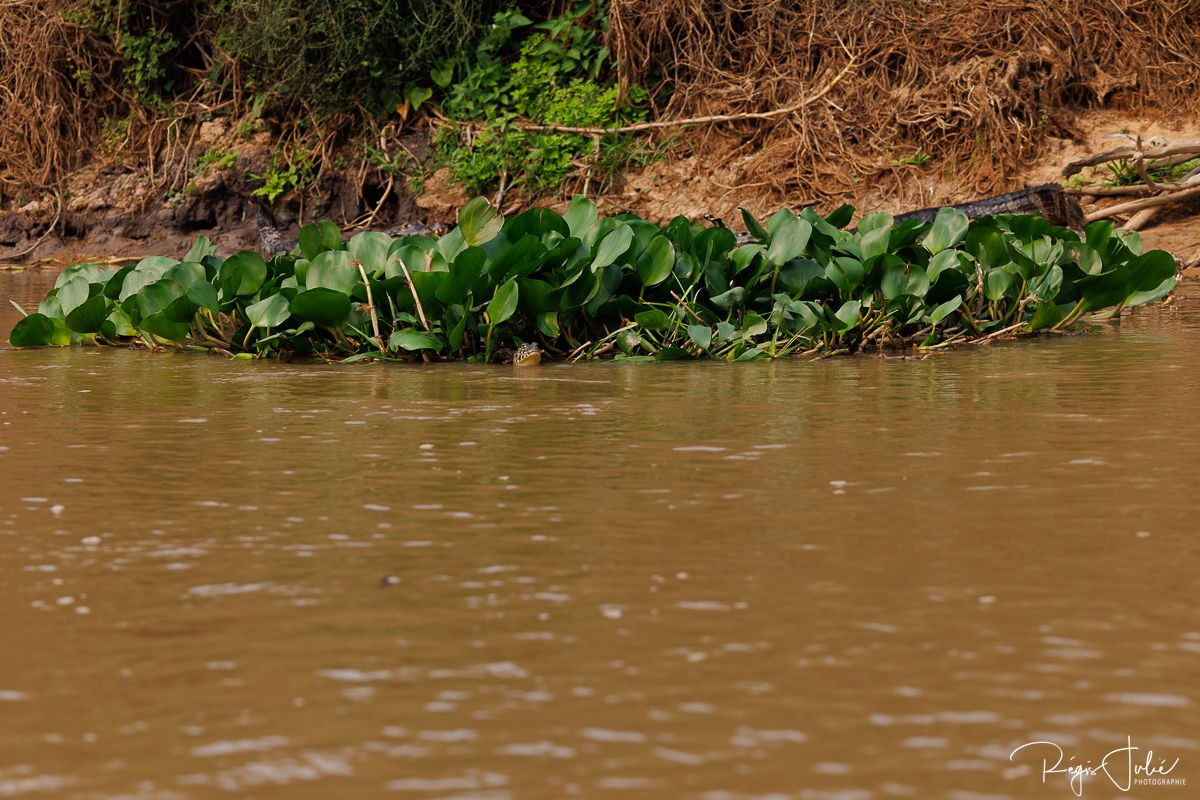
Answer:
(844, 580)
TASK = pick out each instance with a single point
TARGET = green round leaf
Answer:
(412, 339)
(333, 269)
(242, 274)
(945, 309)
(38, 330)
(478, 222)
(370, 248)
(612, 246)
(504, 303)
(652, 320)
(89, 315)
(269, 312)
(949, 228)
(322, 306)
(656, 261)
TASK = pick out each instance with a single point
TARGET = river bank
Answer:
(110, 210)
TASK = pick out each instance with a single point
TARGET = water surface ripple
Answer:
(852, 579)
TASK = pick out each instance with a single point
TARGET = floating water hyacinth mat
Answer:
(585, 286)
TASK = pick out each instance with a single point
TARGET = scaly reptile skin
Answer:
(271, 242)
(1047, 199)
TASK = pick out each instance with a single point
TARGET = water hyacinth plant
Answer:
(584, 286)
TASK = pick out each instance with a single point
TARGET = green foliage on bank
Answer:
(320, 68)
(554, 72)
(584, 286)
(295, 56)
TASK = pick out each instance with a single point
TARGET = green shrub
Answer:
(147, 33)
(554, 77)
(346, 55)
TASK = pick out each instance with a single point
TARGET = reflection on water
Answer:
(858, 578)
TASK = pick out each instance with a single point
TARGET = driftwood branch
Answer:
(1123, 191)
(1141, 218)
(1146, 202)
(1153, 150)
(678, 123)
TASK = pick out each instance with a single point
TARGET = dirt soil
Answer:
(109, 211)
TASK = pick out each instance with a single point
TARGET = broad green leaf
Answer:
(38, 330)
(333, 269)
(457, 333)
(945, 309)
(949, 228)
(547, 323)
(504, 303)
(89, 272)
(157, 296)
(652, 320)
(798, 275)
(608, 280)
(412, 339)
(753, 227)
(848, 315)
(118, 324)
(463, 275)
(148, 270)
(478, 222)
(1045, 315)
(701, 335)
(1097, 235)
(947, 259)
(996, 283)
(789, 240)
(1151, 277)
(656, 261)
(729, 299)
(204, 294)
(894, 282)
(319, 237)
(840, 217)
(73, 293)
(918, 282)
(89, 316)
(269, 312)
(581, 215)
(322, 306)
(725, 332)
(370, 248)
(241, 274)
(173, 322)
(875, 241)
(187, 273)
(874, 221)
(612, 247)
(753, 325)
(200, 248)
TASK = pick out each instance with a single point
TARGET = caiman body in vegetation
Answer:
(1047, 200)
(272, 243)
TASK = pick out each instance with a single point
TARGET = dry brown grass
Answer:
(979, 85)
(55, 81)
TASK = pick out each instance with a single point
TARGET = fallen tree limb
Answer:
(1122, 191)
(678, 123)
(1147, 202)
(1184, 147)
(1139, 220)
